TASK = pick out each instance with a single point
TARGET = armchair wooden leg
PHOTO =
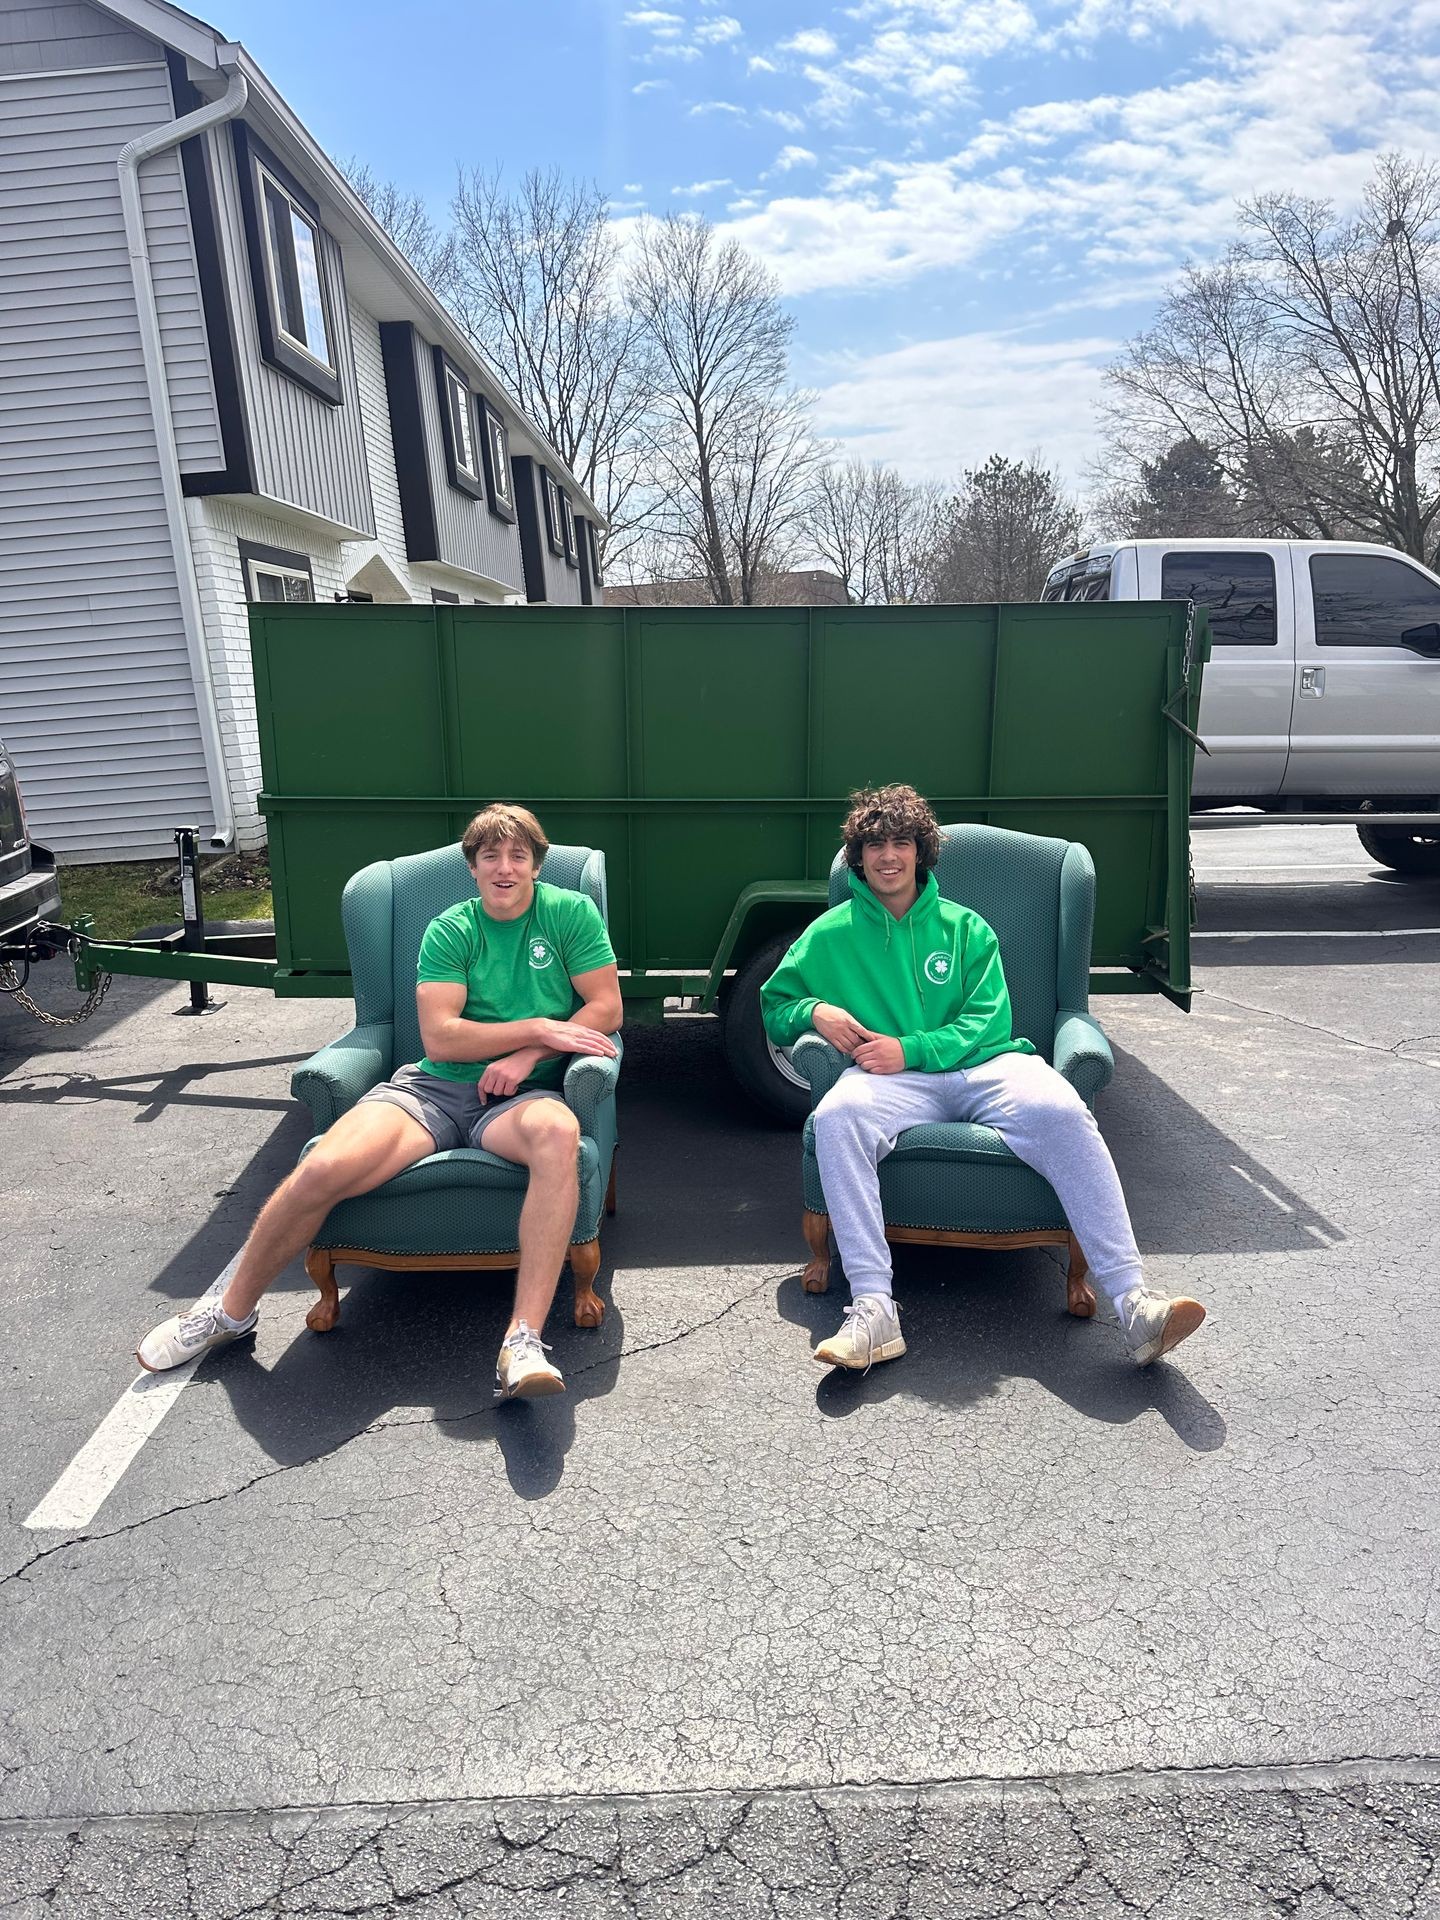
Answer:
(610, 1190)
(584, 1265)
(1079, 1299)
(816, 1277)
(320, 1265)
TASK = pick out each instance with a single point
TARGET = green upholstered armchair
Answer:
(459, 1209)
(959, 1184)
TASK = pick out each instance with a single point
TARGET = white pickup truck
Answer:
(1321, 701)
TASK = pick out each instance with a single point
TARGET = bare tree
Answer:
(872, 528)
(1001, 533)
(731, 453)
(1306, 363)
(538, 287)
(405, 217)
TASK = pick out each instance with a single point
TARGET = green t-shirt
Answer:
(515, 969)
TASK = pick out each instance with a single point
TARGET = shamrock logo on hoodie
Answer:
(938, 968)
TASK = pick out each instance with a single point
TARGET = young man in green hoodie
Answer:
(910, 986)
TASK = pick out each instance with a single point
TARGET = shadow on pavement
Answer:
(422, 1347)
(975, 1320)
(706, 1179)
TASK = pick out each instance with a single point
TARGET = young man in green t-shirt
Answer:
(510, 984)
(910, 987)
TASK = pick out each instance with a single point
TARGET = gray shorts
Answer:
(451, 1111)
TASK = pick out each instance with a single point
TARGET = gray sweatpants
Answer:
(1036, 1112)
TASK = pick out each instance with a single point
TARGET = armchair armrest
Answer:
(589, 1083)
(332, 1080)
(1082, 1053)
(821, 1064)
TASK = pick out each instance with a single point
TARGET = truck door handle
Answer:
(1312, 682)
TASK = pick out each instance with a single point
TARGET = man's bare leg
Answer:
(365, 1147)
(544, 1136)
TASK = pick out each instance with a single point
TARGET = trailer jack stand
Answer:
(193, 939)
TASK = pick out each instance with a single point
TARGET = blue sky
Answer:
(969, 203)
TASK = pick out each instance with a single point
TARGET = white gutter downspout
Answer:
(131, 156)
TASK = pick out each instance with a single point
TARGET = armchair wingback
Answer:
(959, 1184)
(459, 1209)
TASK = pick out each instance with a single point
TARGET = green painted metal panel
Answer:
(709, 750)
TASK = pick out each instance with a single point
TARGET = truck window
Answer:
(1365, 600)
(1237, 590)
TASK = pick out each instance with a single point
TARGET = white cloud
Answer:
(649, 86)
(1143, 180)
(715, 32)
(789, 158)
(699, 187)
(703, 107)
(937, 406)
(666, 25)
(814, 42)
(757, 63)
(780, 117)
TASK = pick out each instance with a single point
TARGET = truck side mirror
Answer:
(1424, 639)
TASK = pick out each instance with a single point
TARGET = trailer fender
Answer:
(764, 909)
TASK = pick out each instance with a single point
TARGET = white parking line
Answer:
(95, 1472)
(92, 1476)
(1364, 933)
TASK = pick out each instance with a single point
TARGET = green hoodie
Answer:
(931, 980)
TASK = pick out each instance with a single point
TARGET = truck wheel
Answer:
(763, 1070)
(1403, 849)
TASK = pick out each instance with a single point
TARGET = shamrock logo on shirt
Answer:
(937, 968)
(540, 954)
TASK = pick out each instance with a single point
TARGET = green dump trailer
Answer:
(710, 753)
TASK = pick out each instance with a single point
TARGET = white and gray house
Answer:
(220, 382)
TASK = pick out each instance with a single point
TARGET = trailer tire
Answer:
(763, 1070)
(1403, 849)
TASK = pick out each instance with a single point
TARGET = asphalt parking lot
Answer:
(1008, 1627)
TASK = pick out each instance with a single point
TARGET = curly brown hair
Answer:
(886, 813)
(500, 822)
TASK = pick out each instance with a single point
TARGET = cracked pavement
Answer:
(718, 1632)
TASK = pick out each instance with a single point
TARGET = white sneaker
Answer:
(186, 1335)
(1153, 1324)
(522, 1372)
(869, 1333)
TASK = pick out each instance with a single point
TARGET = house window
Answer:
(274, 575)
(443, 599)
(567, 527)
(592, 541)
(292, 251)
(495, 446)
(554, 524)
(457, 419)
(294, 307)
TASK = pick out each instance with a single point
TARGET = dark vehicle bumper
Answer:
(32, 897)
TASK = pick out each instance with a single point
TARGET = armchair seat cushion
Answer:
(952, 1177)
(461, 1201)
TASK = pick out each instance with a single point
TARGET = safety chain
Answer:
(13, 985)
(1188, 657)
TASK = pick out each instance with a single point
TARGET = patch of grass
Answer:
(126, 895)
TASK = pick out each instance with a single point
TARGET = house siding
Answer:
(96, 697)
(419, 578)
(216, 529)
(547, 575)
(442, 524)
(307, 454)
(56, 39)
